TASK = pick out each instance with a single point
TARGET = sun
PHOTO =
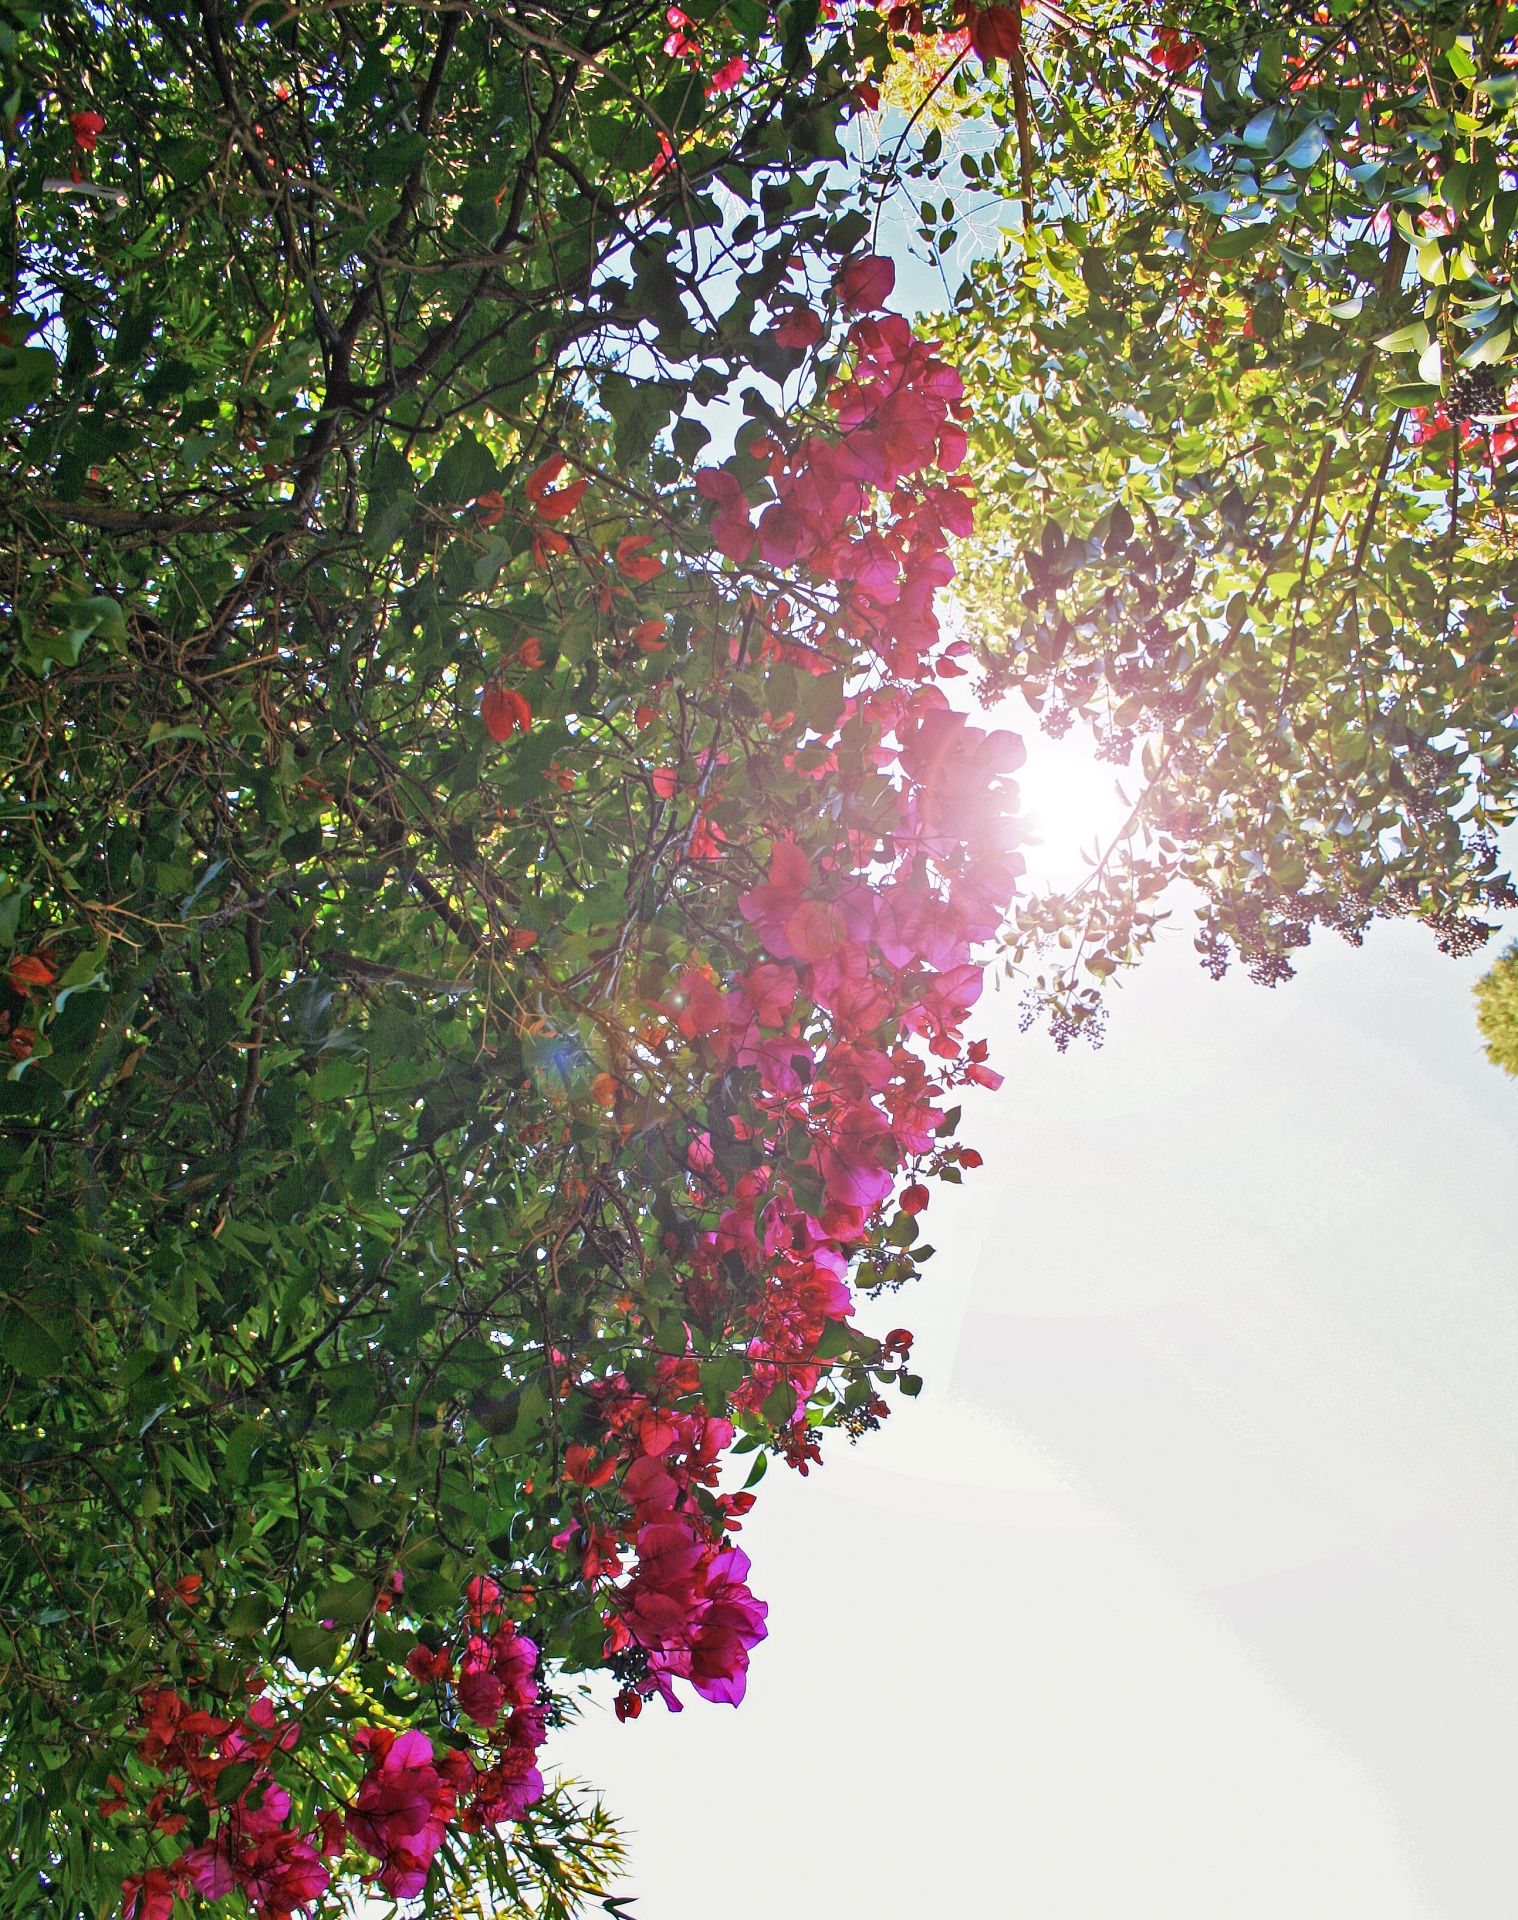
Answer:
(1074, 804)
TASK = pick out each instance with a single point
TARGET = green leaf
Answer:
(465, 471)
(312, 1648)
(348, 1602)
(248, 1616)
(29, 1345)
(1234, 243)
(1408, 339)
(393, 161)
(1492, 345)
(26, 375)
(233, 1781)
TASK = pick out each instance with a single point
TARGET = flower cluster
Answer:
(852, 960)
(687, 1606)
(253, 1850)
(406, 1800)
(683, 44)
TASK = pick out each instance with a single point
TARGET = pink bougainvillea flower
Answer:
(866, 283)
(402, 1809)
(731, 528)
(769, 906)
(727, 77)
(479, 1689)
(283, 1872)
(798, 327)
(682, 44)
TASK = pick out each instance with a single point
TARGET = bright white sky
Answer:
(1189, 1587)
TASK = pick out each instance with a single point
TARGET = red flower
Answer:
(633, 561)
(580, 1466)
(664, 158)
(1175, 54)
(545, 542)
(423, 1664)
(504, 711)
(555, 504)
(88, 128)
(149, 1895)
(864, 285)
(482, 1594)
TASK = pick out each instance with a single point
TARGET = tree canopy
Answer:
(490, 926)
(489, 929)
(1245, 456)
(1496, 994)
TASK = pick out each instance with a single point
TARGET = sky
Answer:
(1187, 1588)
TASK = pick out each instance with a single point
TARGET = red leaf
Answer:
(29, 971)
(994, 31)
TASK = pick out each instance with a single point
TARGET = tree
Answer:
(489, 928)
(1244, 455)
(1497, 1010)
